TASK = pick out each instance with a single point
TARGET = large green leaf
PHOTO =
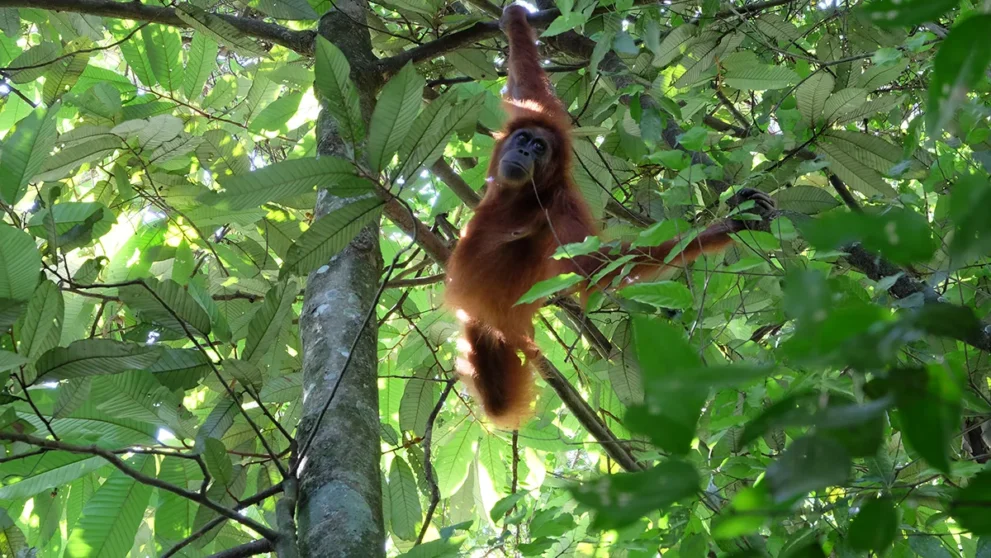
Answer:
(62, 163)
(12, 539)
(138, 395)
(901, 235)
(668, 416)
(95, 357)
(269, 320)
(20, 264)
(454, 453)
(63, 74)
(288, 179)
(202, 61)
(38, 473)
(960, 64)
(330, 234)
(24, 151)
(333, 82)
(673, 45)
(275, 116)
(218, 422)
(404, 502)
(35, 62)
(285, 9)
(812, 94)
(166, 303)
(163, 46)
(417, 403)
(621, 499)
(805, 199)
(219, 30)
(760, 77)
(112, 516)
(898, 13)
(874, 527)
(970, 505)
(394, 113)
(42, 326)
(857, 166)
(810, 463)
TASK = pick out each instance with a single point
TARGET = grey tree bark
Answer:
(339, 510)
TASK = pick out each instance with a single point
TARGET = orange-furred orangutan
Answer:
(532, 206)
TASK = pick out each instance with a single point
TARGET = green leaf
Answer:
(61, 164)
(202, 62)
(37, 473)
(970, 196)
(286, 180)
(668, 416)
(12, 539)
(404, 503)
(138, 395)
(970, 504)
(111, 518)
(430, 133)
(180, 368)
(9, 360)
(20, 264)
(394, 113)
(218, 463)
(219, 30)
(809, 463)
(163, 45)
(901, 235)
(94, 357)
(906, 13)
(166, 303)
(35, 61)
(760, 78)
(473, 63)
(842, 103)
(24, 151)
(812, 95)
(218, 422)
(621, 499)
(285, 9)
(269, 320)
(662, 294)
(454, 453)
(503, 506)
(694, 139)
(62, 75)
(333, 82)
(417, 403)
(805, 199)
(879, 75)
(247, 373)
(928, 411)
(959, 65)
(874, 527)
(330, 234)
(71, 396)
(673, 45)
(275, 116)
(547, 287)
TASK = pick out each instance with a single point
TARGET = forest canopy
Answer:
(223, 241)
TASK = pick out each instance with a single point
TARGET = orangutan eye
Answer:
(539, 146)
(523, 138)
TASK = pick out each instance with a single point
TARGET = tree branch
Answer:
(299, 41)
(140, 477)
(252, 548)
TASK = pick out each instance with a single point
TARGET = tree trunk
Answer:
(340, 490)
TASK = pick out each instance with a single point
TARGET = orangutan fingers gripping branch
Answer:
(531, 207)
